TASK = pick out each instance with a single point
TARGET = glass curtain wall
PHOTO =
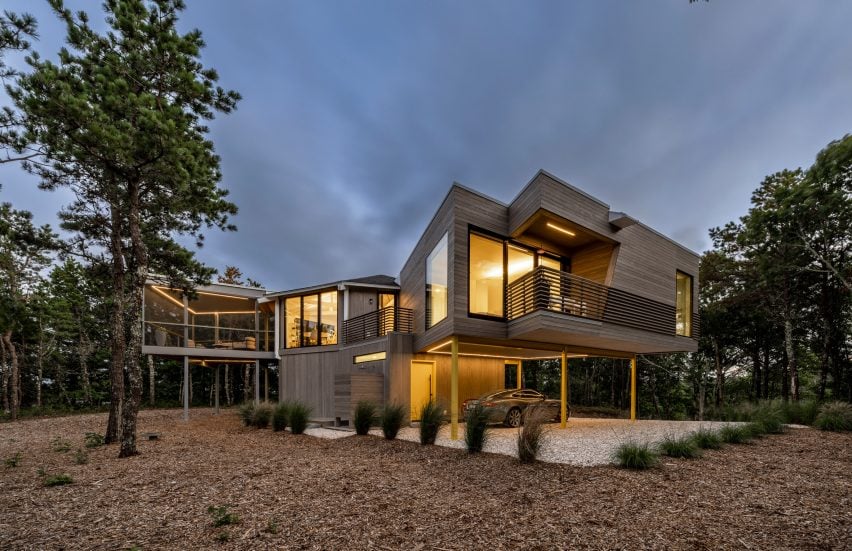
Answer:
(436, 283)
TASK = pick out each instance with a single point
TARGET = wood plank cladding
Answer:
(592, 262)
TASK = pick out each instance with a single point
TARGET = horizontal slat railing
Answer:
(549, 289)
(378, 323)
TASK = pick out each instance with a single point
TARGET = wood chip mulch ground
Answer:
(792, 491)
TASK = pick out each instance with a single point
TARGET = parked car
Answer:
(508, 406)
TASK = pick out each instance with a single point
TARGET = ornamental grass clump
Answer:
(683, 446)
(261, 416)
(280, 416)
(834, 416)
(803, 412)
(707, 439)
(754, 430)
(476, 428)
(633, 455)
(299, 415)
(531, 433)
(392, 418)
(431, 419)
(735, 434)
(770, 416)
(365, 416)
(246, 413)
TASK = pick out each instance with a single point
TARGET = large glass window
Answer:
(436, 283)
(520, 262)
(486, 276)
(683, 305)
(311, 320)
(293, 322)
(328, 317)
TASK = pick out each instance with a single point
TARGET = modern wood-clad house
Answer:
(553, 274)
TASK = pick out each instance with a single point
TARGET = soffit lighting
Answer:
(553, 226)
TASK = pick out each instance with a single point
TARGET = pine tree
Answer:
(122, 120)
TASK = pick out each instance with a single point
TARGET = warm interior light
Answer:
(553, 226)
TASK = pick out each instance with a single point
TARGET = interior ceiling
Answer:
(538, 233)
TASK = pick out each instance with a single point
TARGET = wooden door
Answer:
(422, 386)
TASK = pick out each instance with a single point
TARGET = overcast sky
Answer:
(358, 116)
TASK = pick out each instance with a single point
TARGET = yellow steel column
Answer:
(563, 394)
(454, 389)
(633, 388)
(520, 375)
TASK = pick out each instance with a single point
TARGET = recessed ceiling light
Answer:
(561, 229)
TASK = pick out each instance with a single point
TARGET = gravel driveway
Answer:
(585, 442)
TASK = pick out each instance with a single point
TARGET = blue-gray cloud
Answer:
(357, 117)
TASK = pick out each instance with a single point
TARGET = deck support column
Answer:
(633, 388)
(216, 393)
(520, 376)
(454, 389)
(256, 382)
(186, 388)
(563, 394)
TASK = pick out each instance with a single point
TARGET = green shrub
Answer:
(261, 415)
(707, 439)
(431, 419)
(299, 415)
(221, 516)
(94, 440)
(365, 416)
(60, 444)
(57, 480)
(392, 418)
(735, 434)
(633, 455)
(835, 416)
(13, 461)
(81, 457)
(246, 413)
(531, 433)
(682, 446)
(281, 416)
(476, 428)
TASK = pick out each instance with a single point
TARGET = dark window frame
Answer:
(302, 339)
(688, 318)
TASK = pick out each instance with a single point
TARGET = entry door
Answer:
(422, 386)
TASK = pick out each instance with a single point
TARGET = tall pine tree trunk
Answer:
(792, 366)
(229, 385)
(119, 331)
(152, 381)
(824, 358)
(85, 350)
(14, 376)
(720, 375)
(5, 376)
(133, 354)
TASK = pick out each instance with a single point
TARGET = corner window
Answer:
(310, 320)
(485, 276)
(683, 305)
(436, 283)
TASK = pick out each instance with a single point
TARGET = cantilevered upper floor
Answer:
(555, 268)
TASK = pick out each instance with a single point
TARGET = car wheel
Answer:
(513, 418)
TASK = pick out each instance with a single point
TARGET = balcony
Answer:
(548, 289)
(378, 323)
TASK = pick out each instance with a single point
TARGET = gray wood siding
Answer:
(359, 302)
(309, 377)
(412, 278)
